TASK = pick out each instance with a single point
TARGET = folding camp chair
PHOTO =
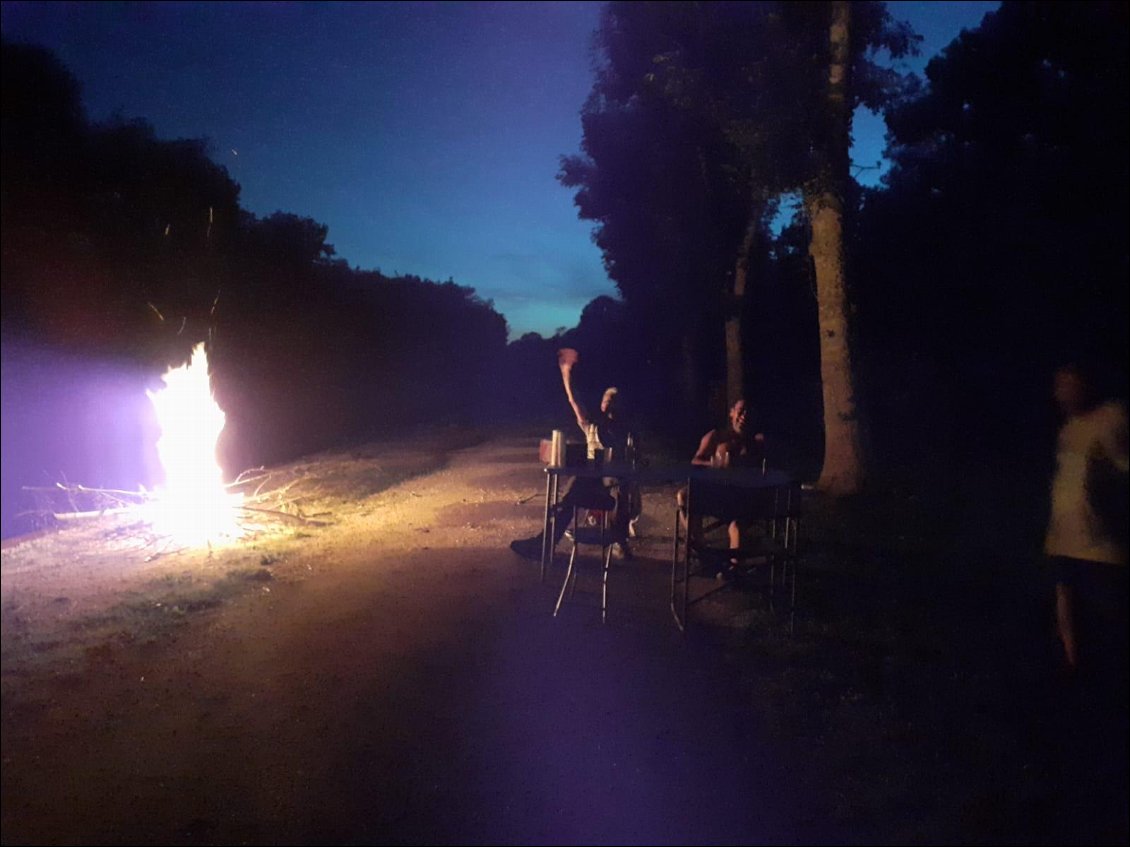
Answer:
(591, 524)
(769, 514)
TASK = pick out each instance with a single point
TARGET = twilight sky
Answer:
(425, 135)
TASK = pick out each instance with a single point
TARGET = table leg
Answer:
(549, 523)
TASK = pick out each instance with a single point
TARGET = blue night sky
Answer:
(425, 135)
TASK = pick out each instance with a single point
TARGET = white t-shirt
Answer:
(1074, 529)
(592, 440)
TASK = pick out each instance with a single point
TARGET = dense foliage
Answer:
(998, 247)
(701, 117)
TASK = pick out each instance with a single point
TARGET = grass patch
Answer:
(920, 681)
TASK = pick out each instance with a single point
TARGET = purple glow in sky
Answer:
(426, 135)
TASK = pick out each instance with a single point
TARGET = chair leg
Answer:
(686, 580)
(573, 587)
(773, 579)
(674, 554)
(547, 531)
(789, 563)
(792, 599)
(569, 574)
(570, 583)
(675, 573)
(792, 575)
(606, 562)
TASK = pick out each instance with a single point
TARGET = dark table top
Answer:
(739, 477)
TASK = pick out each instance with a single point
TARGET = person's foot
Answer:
(528, 548)
(622, 550)
(729, 571)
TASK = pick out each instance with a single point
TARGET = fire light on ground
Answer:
(193, 506)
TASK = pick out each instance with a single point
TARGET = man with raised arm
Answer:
(603, 430)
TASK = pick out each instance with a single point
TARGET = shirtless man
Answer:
(733, 445)
(736, 445)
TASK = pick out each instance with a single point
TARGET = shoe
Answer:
(729, 572)
(622, 550)
(528, 548)
(726, 574)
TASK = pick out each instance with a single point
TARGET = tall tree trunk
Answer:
(843, 471)
(735, 308)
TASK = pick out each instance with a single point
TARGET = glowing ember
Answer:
(193, 506)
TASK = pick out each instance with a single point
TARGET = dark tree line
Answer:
(702, 116)
(122, 246)
(995, 249)
(998, 247)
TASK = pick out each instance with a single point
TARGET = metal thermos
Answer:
(557, 449)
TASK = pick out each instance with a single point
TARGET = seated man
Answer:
(737, 445)
(604, 430)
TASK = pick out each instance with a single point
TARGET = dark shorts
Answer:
(1100, 590)
(1100, 599)
(1081, 573)
(1064, 570)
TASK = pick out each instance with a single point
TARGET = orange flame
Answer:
(193, 506)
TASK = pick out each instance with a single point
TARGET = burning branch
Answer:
(84, 502)
(76, 516)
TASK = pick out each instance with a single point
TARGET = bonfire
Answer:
(193, 506)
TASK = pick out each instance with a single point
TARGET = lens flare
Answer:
(192, 506)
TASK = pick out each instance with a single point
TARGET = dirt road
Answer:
(398, 679)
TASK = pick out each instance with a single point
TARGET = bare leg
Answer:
(1065, 623)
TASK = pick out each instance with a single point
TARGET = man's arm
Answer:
(706, 449)
(1114, 437)
(566, 363)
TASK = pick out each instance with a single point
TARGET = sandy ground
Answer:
(395, 677)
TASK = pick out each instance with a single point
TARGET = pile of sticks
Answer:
(265, 499)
